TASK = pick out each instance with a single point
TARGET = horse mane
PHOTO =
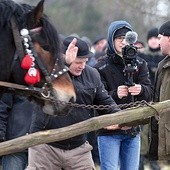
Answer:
(52, 36)
(8, 8)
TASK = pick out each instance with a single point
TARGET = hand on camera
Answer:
(135, 90)
(123, 90)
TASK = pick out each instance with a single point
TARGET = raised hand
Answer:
(71, 52)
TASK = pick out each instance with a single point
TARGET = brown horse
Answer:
(39, 40)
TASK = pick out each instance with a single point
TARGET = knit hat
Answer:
(152, 33)
(83, 49)
(98, 38)
(165, 29)
(121, 32)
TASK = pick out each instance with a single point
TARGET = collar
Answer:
(167, 62)
(118, 59)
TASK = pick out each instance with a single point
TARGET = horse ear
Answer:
(35, 15)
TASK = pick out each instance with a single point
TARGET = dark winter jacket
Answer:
(112, 74)
(15, 116)
(152, 57)
(160, 131)
(89, 90)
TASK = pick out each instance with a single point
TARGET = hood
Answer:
(114, 26)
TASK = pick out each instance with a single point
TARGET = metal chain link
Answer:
(136, 104)
(104, 107)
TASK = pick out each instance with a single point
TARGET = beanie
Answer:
(121, 32)
(83, 49)
(98, 38)
(165, 29)
(152, 33)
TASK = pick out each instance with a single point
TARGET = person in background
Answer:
(73, 153)
(120, 146)
(99, 45)
(152, 54)
(15, 120)
(140, 45)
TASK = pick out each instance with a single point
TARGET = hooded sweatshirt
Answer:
(111, 70)
(114, 26)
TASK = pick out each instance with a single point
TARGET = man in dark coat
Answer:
(15, 120)
(160, 130)
(152, 55)
(73, 153)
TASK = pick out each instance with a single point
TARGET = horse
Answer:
(28, 38)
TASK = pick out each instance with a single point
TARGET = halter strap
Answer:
(20, 53)
(17, 39)
(40, 64)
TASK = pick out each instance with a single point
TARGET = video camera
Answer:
(129, 53)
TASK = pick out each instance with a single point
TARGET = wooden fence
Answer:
(125, 116)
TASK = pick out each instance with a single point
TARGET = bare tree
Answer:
(92, 17)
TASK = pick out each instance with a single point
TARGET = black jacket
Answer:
(15, 116)
(89, 90)
(111, 69)
(152, 57)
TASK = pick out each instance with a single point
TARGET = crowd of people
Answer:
(100, 76)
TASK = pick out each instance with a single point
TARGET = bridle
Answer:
(45, 91)
(48, 77)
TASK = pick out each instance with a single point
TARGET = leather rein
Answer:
(45, 91)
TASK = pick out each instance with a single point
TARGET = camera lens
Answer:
(131, 51)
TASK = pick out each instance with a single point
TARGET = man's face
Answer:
(164, 42)
(139, 46)
(77, 66)
(153, 42)
(119, 43)
(99, 46)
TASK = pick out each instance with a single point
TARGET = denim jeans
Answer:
(119, 151)
(16, 161)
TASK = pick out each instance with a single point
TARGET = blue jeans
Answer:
(119, 151)
(16, 161)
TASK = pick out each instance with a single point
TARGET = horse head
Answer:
(41, 44)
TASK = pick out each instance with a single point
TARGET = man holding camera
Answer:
(120, 146)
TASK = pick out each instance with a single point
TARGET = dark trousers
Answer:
(153, 164)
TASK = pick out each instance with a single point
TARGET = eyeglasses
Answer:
(120, 39)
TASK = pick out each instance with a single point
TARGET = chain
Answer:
(103, 107)
(136, 104)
